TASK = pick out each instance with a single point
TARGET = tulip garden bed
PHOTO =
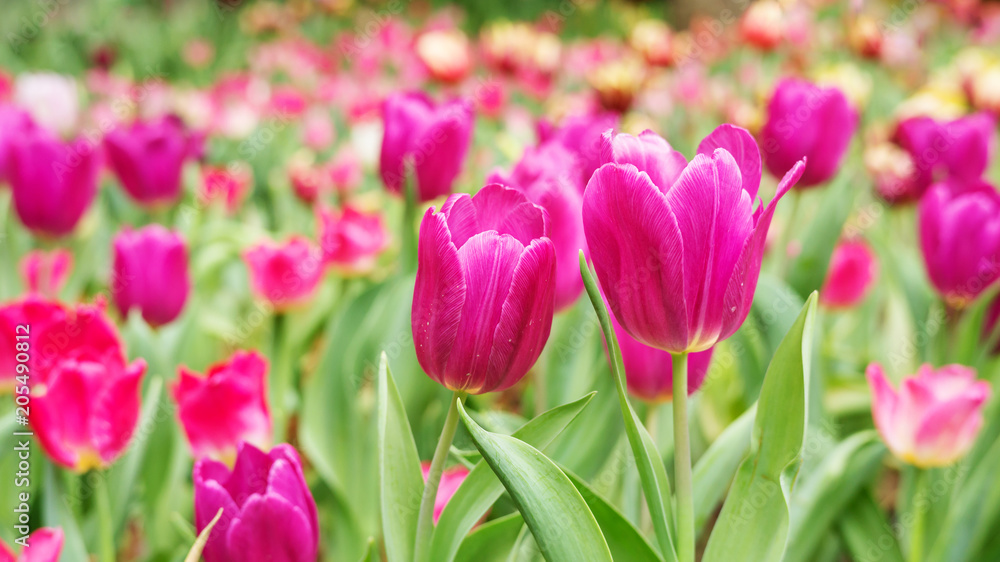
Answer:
(331, 280)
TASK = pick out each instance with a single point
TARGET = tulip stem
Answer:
(408, 239)
(682, 461)
(425, 520)
(919, 505)
(104, 518)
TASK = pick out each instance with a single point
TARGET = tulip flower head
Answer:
(268, 512)
(224, 407)
(52, 99)
(285, 274)
(13, 123)
(852, 274)
(351, 239)
(44, 545)
(228, 184)
(677, 246)
(933, 418)
(451, 479)
(45, 273)
(34, 311)
(148, 157)
(150, 273)
(483, 302)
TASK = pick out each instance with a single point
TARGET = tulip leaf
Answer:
(866, 532)
(828, 490)
(480, 489)
(715, 469)
(808, 270)
(753, 524)
(560, 521)
(194, 554)
(371, 552)
(492, 541)
(401, 481)
(652, 474)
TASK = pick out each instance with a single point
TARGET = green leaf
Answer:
(624, 540)
(867, 533)
(753, 524)
(371, 553)
(715, 469)
(559, 519)
(829, 489)
(491, 541)
(399, 470)
(126, 470)
(808, 270)
(199, 544)
(480, 489)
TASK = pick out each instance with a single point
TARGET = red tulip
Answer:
(350, 239)
(852, 274)
(284, 274)
(229, 184)
(44, 545)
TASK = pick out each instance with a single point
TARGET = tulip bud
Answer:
(482, 306)
(852, 274)
(351, 240)
(53, 100)
(85, 397)
(959, 149)
(934, 417)
(225, 407)
(806, 121)
(148, 158)
(229, 184)
(150, 273)
(763, 24)
(451, 479)
(653, 39)
(960, 238)
(284, 274)
(43, 545)
(445, 53)
(677, 246)
(53, 183)
(45, 273)
(268, 512)
(434, 139)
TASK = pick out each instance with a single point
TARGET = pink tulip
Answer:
(268, 512)
(229, 184)
(678, 246)
(483, 302)
(434, 139)
(547, 176)
(44, 545)
(14, 122)
(52, 99)
(53, 182)
(35, 313)
(451, 479)
(224, 407)
(285, 274)
(960, 238)
(763, 25)
(852, 274)
(934, 417)
(87, 413)
(806, 121)
(308, 181)
(44, 272)
(345, 171)
(350, 239)
(148, 158)
(581, 134)
(150, 273)
(649, 372)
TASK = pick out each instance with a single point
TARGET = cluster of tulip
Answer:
(341, 389)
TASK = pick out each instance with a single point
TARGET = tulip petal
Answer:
(837, 120)
(948, 428)
(648, 152)
(742, 146)
(885, 403)
(116, 412)
(61, 415)
(440, 150)
(45, 546)
(498, 208)
(286, 481)
(406, 113)
(209, 497)
(249, 475)
(270, 528)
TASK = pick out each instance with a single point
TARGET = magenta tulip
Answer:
(581, 135)
(806, 121)
(44, 272)
(433, 139)
(934, 417)
(547, 176)
(483, 302)
(677, 247)
(43, 545)
(960, 238)
(224, 407)
(14, 122)
(285, 275)
(53, 182)
(451, 479)
(268, 512)
(350, 239)
(35, 312)
(852, 274)
(150, 273)
(148, 158)
(88, 411)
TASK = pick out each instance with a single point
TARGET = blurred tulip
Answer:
(318, 130)
(546, 175)
(53, 100)
(284, 274)
(445, 53)
(36, 313)
(268, 512)
(649, 372)
(345, 171)
(434, 139)
(892, 170)
(224, 407)
(483, 302)
(308, 181)
(806, 121)
(14, 122)
(763, 24)
(852, 274)
(934, 417)
(150, 273)
(44, 272)
(351, 240)
(959, 149)
(678, 246)
(451, 479)
(653, 39)
(960, 239)
(43, 545)
(148, 158)
(617, 83)
(53, 182)
(85, 397)
(230, 184)
(581, 134)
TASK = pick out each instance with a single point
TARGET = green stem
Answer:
(920, 508)
(280, 376)
(104, 519)
(682, 461)
(425, 521)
